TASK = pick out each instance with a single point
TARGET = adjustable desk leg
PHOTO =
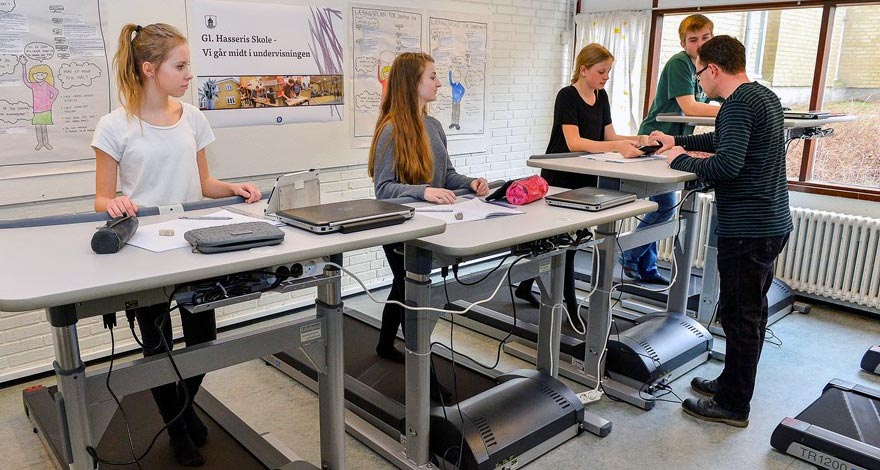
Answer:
(331, 402)
(76, 427)
(418, 326)
(684, 252)
(550, 319)
(711, 282)
(599, 317)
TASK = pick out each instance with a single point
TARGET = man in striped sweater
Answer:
(754, 220)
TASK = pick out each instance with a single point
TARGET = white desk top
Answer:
(789, 123)
(653, 171)
(54, 265)
(539, 221)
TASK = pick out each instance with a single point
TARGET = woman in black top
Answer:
(582, 123)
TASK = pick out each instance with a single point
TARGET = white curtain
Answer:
(625, 34)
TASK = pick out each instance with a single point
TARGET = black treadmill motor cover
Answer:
(525, 410)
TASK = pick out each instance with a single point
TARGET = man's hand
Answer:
(673, 153)
(667, 141)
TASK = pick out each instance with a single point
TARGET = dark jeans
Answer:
(745, 268)
(392, 315)
(197, 328)
(643, 259)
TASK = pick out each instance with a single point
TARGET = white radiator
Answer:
(828, 254)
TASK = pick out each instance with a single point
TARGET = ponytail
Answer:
(137, 44)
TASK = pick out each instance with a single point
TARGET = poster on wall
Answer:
(53, 86)
(258, 64)
(458, 46)
(379, 35)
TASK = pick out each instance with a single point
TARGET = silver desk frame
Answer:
(644, 179)
(92, 285)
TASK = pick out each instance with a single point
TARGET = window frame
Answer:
(829, 9)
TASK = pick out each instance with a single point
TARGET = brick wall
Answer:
(860, 61)
(527, 66)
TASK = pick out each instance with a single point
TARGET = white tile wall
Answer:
(528, 64)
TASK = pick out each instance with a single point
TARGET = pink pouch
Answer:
(527, 190)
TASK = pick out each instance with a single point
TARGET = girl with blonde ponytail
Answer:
(408, 157)
(155, 145)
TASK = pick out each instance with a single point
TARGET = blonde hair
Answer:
(41, 68)
(151, 43)
(694, 23)
(413, 160)
(589, 56)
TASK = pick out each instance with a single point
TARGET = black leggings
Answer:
(392, 315)
(197, 328)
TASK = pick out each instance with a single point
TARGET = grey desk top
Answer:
(539, 221)
(54, 265)
(652, 171)
(789, 123)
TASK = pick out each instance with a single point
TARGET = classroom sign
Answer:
(258, 64)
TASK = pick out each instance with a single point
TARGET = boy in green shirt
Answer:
(677, 91)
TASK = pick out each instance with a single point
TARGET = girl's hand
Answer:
(627, 149)
(121, 205)
(248, 191)
(480, 186)
(439, 196)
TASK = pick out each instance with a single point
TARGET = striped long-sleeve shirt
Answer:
(748, 168)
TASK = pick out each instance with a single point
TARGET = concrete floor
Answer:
(825, 344)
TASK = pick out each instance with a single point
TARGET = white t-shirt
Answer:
(157, 165)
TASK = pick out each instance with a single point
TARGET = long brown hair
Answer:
(151, 43)
(589, 56)
(413, 160)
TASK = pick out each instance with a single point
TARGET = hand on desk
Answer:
(667, 141)
(439, 196)
(673, 153)
(121, 205)
(248, 191)
(627, 148)
(480, 186)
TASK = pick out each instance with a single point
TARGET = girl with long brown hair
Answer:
(408, 157)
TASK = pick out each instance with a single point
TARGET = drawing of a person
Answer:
(42, 84)
(457, 95)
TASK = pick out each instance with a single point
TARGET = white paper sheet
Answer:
(618, 158)
(148, 238)
(472, 209)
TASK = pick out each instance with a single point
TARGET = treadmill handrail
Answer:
(66, 219)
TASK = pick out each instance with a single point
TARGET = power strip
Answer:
(590, 396)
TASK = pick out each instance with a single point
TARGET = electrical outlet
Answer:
(589, 396)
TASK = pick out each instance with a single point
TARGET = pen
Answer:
(207, 217)
(432, 209)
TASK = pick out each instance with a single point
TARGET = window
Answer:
(852, 85)
(228, 87)
(783, 47)
(230, 100)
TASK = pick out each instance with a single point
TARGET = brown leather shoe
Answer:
(709, 410)
(704, 386)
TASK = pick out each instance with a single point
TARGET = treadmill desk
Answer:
(82, 284)
(794, 129)
(645, 179)
(478, 238)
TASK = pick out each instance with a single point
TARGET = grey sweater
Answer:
(385, 178)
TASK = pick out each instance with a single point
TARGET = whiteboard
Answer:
(237, 152)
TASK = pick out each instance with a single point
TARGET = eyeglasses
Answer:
(697, 75)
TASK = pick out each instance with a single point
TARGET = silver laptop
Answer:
(590, 199)
(346, 216)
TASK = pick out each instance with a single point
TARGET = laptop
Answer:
(810, 114)
(346, 216)
(590, 199)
